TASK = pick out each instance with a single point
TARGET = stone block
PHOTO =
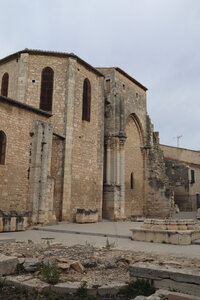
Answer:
(28, 282)
(86, 216)
(110, 289)
(198, 213)
(77, 266)
(1, 224)
(66, 287)
(8, 264)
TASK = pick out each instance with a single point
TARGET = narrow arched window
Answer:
(4, 85)
(46, 89)
(86, 100)
(2, 147)
(131, 181)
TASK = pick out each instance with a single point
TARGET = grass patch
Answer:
(140, 287)
(50, 273)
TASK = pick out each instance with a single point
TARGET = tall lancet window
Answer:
(4, 85)
(86, 105)
(46, 89)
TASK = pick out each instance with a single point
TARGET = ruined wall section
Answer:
(123, 98)
(41, 189)
(180, 164)
(179, 182)
(159, 196)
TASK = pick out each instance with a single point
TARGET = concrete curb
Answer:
(83, 233)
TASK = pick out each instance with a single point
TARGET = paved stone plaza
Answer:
(96, 234)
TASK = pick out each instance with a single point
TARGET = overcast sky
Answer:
(155, 41)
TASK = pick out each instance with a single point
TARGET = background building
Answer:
(183, 171)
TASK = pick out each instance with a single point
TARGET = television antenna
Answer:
(178, 137)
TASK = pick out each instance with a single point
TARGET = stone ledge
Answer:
(176, 237)
(111, 289)
(27, 282)
(185, 281)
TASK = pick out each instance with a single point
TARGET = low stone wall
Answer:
(178, 232)
(13, 221)
(184, 281)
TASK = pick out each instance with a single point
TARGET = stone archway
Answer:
(134, 168)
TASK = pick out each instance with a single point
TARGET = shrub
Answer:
(50, 273)
(140, 287)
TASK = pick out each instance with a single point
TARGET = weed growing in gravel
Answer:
(50, 273)
(82, 293)
(140, 287)
(109, 245)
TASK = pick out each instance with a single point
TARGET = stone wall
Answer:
(18, 124)
(12, 68)
(59, 65)
(159, 195)
(87, 142)
(134, 191)
(131, 147)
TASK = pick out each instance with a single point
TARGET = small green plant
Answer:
(19, 269)
(109, 245)
(30, 242)
(82, 293)
(50, 273)
(140, 287)
(1, 284)
(87, 243)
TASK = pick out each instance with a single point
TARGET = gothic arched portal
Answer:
(134, 169)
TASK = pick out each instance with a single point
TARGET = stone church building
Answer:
(76, 138)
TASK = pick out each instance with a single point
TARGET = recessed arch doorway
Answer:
(134, 168)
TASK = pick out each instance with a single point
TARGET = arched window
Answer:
(4, 85)
(86, 100)
(2, 147)
(131, 183)
(46, 89)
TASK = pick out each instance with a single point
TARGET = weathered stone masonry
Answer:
(111, 165)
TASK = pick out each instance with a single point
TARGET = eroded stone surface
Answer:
(8, 264)
(66, 287)
(27, 281)
(184, 280)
